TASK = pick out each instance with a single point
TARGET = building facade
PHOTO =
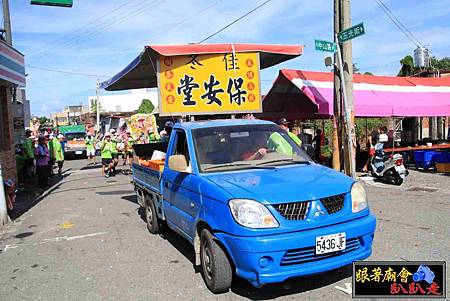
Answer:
(12, 75)
(122, 103)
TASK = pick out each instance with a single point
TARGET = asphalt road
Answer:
(86, 240)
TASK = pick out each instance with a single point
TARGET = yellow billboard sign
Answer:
(209, 84)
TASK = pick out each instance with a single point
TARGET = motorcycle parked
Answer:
(391, 170)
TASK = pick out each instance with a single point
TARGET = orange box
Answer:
(157, 165)
(443, 167)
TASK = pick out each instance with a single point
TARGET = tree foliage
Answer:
(146, 107)
(440, 64)
(94, 106)
(43, 120)
(407, 68)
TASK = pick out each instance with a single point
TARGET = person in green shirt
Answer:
(51, 162)
(278, 143)
(29, 153)
(106, 155)
(114, 150)
(90, 148)
(58, 153)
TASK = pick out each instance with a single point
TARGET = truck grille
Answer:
(308, 254)
(293, 211)
(334, 203)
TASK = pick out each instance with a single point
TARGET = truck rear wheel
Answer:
(216, 268)
(150, 216)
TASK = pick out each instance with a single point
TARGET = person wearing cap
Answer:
(284, 124)
(165, 134)
(29, 153)
(128, 152)
(106, 155)
(42, 158)
(279, 143)
(114, 150)
(90, 148)
(153, 136)
(58, 154)
(51, 162)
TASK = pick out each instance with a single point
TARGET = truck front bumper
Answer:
(275, 258)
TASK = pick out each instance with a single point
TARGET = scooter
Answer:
(389, 169)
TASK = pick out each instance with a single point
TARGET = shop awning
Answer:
(308, 94)
(141, 72)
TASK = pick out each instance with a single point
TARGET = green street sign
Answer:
(63, 3)
(351, 33)
(325, 45)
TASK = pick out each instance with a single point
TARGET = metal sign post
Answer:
(346, 108)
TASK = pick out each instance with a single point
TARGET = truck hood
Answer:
(283, 184)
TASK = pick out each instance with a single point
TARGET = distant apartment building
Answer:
(122, 103)
(70, 115)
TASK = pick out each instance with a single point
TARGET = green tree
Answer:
(94, 106)
(440, 64)
(368, 73)
(146, 107)
(43, 120)
(408, 68)
(355, 69)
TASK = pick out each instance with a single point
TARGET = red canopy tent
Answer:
(141, 72)
(297, 94)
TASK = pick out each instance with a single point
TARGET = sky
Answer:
(101, 37)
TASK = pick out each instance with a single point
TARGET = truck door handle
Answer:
(192, 205)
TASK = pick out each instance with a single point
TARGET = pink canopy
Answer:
(308, 94)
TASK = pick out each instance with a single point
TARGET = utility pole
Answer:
(7, 22)
(336, 97)
(349, 147)
(98, 105)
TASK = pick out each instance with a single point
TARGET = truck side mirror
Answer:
(178, 163)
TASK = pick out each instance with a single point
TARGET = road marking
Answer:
(54, 239)
(66, 225)
(347, 289)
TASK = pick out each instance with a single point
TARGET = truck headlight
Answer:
(252, 214)
(359, 198)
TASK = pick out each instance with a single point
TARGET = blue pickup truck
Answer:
(251, 201)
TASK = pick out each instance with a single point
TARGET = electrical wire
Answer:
(83, 29)
(235, 21)
(114, 23)
(403, 29)
(160, 32)
(66, 72)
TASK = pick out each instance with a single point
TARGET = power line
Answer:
(166, 29)
(113, 23)
(66, 72)
(235, 21)
(49, 46)
(399, 24)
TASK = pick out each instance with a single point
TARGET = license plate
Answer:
(330, 243)
(78, 152)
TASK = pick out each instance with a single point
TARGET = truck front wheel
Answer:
(150, 216)
(216, 268)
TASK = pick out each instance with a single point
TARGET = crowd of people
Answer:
(114, 145)
(38, 156)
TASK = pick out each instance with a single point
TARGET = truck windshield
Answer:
(75, 136)
(245, 146)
